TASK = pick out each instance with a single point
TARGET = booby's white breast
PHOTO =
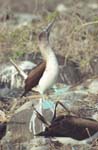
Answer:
(50, 75)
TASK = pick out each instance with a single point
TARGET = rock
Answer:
(19, 125)
(4, 91)
(23, 19)
(93, 86)
(61, 8)
(70, 73)
(93, 5)
(9, 77)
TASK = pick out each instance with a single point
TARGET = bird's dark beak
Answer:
(48, 28)
(46, 32)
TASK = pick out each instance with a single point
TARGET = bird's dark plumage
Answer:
(2, 129)
(71, 126)
(34, 77)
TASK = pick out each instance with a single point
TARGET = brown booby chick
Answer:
(45, 74)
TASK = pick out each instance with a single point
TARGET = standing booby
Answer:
(45, 74)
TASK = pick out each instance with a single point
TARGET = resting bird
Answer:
(45, 74)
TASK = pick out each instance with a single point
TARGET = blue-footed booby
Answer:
(45, 74)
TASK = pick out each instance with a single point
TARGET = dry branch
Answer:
(20, 71)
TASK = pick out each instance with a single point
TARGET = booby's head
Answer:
(44, 35)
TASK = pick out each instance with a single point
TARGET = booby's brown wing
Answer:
(34, 77)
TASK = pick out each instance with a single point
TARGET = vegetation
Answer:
(71, 37)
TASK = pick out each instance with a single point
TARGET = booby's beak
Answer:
(46, 32)
(48, 28)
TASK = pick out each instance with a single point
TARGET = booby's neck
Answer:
(46, 51)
